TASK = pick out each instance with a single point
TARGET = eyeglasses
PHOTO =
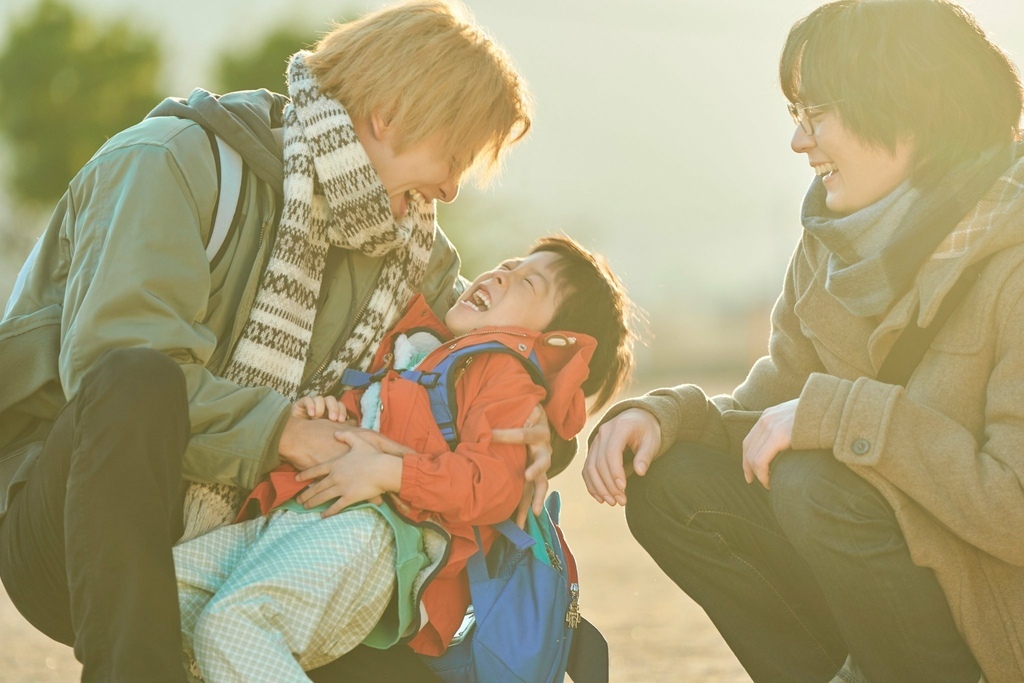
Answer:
(802, 118)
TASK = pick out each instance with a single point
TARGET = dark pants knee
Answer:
(820, 504)
(694, 486)
(673, 488)
(136, 384)
(86, 542)
(715, 537)
(893, 614)
(129, 399)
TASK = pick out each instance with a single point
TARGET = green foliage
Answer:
(67, 84)
(264, 65)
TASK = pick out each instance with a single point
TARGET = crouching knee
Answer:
(815, 497)
(136, 376)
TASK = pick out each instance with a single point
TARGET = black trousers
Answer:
(798, 577)
(85, 547)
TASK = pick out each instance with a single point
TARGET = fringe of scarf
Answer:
(332, 196)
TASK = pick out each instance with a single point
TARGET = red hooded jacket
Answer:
(480, 482)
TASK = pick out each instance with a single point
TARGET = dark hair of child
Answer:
(594, 302)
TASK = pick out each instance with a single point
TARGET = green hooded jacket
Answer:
(123, 264)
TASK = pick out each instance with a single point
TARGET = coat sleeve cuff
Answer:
(819, 412)
(410, 487)
(865, 423)
(680, 411)
(850, 418)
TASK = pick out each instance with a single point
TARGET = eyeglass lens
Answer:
(801, 117)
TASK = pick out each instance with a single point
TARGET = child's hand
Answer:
(316, 407)
(364, 473)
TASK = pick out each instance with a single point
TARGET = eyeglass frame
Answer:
(799, 114)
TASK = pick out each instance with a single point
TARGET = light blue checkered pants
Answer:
(268, 599)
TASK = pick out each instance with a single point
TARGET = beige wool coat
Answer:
(948, 451)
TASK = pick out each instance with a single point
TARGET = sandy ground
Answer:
(655, 633)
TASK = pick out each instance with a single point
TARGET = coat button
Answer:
(522, 347)
(861, 446)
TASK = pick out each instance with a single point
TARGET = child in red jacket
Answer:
(287, 592)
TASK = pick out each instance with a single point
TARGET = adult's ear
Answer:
(381, 127)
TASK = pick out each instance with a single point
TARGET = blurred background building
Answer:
(661, 137)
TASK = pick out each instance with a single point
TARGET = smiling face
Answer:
(424, 167)
(519, 293)
(856, 174)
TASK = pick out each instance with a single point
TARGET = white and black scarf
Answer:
(332, 196)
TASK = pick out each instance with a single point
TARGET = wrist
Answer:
(288, 447)
(389, 472)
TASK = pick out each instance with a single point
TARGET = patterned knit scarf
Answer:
(332, 196)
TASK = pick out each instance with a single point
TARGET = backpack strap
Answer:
(908, 351)
(357, 379)
(440, 382)
(19, 283)
(588, 655)
(231, 171)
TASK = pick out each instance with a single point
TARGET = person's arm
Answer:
(686, 414)
(971, 481)
(138, 276)
(480, 482)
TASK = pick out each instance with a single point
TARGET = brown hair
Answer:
(919, 70)
(426, 67)
(593, 302)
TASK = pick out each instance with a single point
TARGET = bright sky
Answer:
(661, 137)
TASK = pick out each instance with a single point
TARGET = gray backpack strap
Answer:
(19, 284)
(230, 180)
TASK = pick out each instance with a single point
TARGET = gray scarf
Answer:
(877, 251)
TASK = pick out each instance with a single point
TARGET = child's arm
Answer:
(481, 482)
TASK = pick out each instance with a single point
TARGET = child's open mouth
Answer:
(479, 301)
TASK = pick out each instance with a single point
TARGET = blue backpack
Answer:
(524, 624)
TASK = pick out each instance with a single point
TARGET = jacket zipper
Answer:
(344, 337)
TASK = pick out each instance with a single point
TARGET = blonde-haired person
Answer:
(837, 521)
(134, 360)
(471, 101)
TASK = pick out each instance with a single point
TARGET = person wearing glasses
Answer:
(836, 526)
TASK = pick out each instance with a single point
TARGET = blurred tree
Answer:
(66, 84)
(264, 64)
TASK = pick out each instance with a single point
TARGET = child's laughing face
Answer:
(518, 293)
